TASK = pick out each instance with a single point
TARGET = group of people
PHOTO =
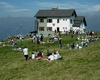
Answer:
(39, 55)
(77, 45)
(37, 38)
(82, 42)
(53, 56)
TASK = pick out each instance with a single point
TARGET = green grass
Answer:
(80, 64)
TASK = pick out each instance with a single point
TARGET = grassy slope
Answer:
(81, 64)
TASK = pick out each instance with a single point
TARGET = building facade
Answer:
(49, 21)
(80, 24)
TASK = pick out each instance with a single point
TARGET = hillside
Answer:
(79, 64)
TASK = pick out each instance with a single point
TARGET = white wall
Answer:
(81, 28)
(63, 23)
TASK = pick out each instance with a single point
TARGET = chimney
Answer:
(55, 8)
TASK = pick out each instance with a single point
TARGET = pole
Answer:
(21, 29)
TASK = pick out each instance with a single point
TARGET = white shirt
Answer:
(33, 56)
(51, 57)
(80, 47)
(25, 51)
(57, 56)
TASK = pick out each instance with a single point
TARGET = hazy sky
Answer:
(23, 8)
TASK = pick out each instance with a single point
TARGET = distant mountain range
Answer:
(12, 25)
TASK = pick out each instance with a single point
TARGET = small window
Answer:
(49, 28)
(49, 20)
(41, 20)
(64, 27)
(57, 20)
(41, 28)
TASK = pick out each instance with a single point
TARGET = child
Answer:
(33, 55)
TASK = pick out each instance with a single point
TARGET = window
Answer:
(41, 28)
(64, 27)
(57, 20)
(49, 28)
(64, 19)
(41, 20)
(49, 20)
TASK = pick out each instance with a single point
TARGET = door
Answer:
(57, 29)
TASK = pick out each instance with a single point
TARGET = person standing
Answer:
(60, 43)
(66, 32)
(72, 35)
(48, 53)
(38, 40)
(41, 38)
(25, 51)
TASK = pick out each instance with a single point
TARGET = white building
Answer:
(79, 24)
(49, 21)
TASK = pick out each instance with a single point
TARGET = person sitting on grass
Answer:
(36, 53)
(68, 46)
(50, 58)
(33, 55)
(54, 56)
(73, 45)
(76, 46)
(48, 53)
(57, 55)
(40, 55)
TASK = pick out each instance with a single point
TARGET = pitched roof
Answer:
(76, 25)
(55, 13)
(78, 20)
